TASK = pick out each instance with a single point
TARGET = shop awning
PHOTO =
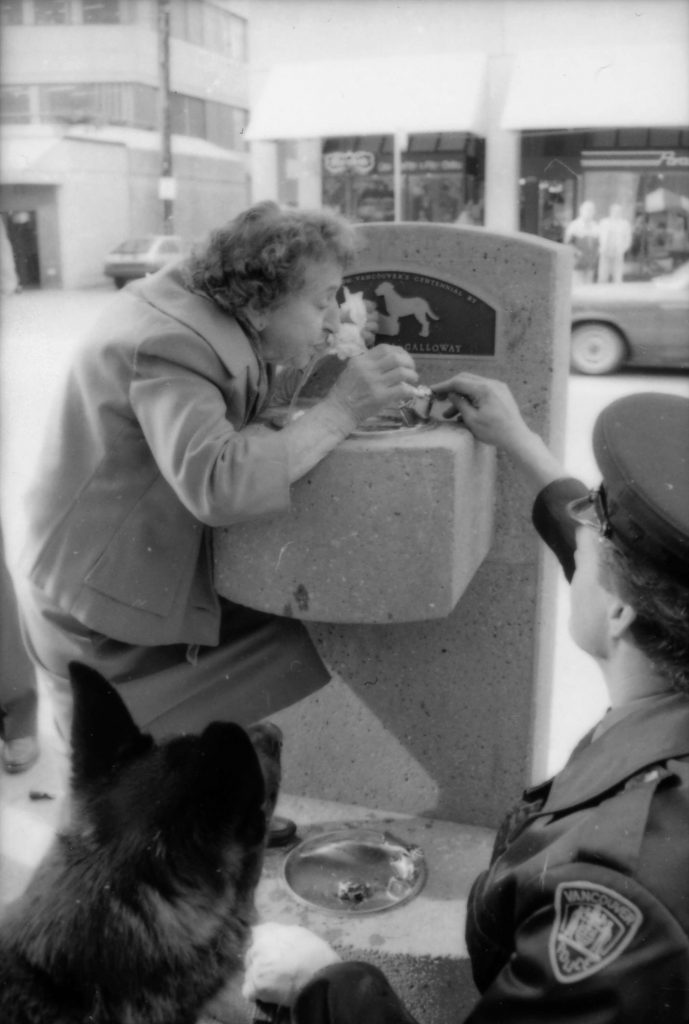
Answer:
(630, 87)
(317, 99)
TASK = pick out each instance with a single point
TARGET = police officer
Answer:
(583, 913)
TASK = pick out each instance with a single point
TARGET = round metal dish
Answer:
(384, 423)
(355, 871)
(390, 423)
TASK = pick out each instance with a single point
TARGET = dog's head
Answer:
(192, 810)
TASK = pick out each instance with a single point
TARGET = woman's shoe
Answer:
(21, 754)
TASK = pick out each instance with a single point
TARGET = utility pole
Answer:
(166, 184)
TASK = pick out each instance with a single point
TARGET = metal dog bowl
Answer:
(355, 871)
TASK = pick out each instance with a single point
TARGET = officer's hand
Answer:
(378, 378)
(487, 408)
(280, 961)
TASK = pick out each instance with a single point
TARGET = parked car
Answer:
(138, 257)
(636, 323)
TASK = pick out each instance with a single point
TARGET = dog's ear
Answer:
(103, 732)
(229, 764)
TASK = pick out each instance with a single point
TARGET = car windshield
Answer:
(134, 246)
(675, 281)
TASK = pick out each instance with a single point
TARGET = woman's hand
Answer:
(372, 380)
(378, 378)
(280, 961)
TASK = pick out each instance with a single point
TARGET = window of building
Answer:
(213, 17)
(187, 20)
(195, 14)
(124, 103)
(88, 103)
(100, 12)
(11, 12)
(225, 125)
(233, 37)
(206, 25)
(15, 104)
(51, 12)
(187, 115)
(442, 177)
(112, 102)
(144, 106)
(71, 104)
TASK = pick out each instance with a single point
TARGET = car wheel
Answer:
(120, 282)
(596, 348)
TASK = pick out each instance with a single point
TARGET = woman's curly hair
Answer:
(661, 603)
(260, 257)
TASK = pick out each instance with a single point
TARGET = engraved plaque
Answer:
(426, 315)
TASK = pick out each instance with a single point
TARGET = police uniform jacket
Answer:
(583, 914)
(148, 453)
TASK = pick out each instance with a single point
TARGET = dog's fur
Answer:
(141, 910)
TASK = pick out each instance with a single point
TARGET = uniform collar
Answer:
(646, 736)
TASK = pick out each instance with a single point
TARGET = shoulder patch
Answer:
(593, 926)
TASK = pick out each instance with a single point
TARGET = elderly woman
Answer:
(149, 452)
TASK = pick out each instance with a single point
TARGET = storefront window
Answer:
(51, 12)
(11, 12)
(354, 183)
(633, 185)
(441, 178)
(101, 12)
(15, 104)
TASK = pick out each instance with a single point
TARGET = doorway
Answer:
(22, 232)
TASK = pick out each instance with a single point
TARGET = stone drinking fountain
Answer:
(410, 555)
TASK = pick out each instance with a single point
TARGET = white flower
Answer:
(347, 342)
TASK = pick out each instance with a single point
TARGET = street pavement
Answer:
(39, 332)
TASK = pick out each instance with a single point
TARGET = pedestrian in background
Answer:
(615, 240)
(582, 233)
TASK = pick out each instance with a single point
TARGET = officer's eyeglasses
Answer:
(591, 510)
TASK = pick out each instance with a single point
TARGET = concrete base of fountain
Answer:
(391, 527)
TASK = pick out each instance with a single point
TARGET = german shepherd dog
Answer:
(141, 910)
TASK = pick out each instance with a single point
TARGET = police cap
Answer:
(641, 444)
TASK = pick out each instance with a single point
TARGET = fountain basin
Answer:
(419, 944)
(390, 527)
(355, 871)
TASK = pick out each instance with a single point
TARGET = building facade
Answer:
(538, 106)
(80, 108)
(506, 113)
